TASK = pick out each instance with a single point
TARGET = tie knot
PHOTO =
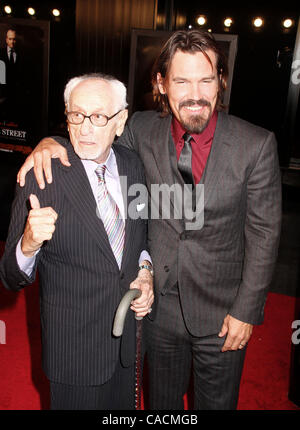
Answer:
(100, 172)
(187, 138)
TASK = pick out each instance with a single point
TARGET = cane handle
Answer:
(122, 309)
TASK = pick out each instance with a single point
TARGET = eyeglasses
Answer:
(96, 119)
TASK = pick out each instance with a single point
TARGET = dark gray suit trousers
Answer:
(174, 354)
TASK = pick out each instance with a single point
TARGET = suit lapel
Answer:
(159, 139)
(164, 152)
(126, 172)
(79, 193)
(218, 158)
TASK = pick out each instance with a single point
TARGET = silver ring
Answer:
(149, 310)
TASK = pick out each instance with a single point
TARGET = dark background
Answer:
(94, 35)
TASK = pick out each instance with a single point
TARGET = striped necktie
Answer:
(110, 216)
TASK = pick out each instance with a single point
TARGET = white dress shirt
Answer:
(112, 179)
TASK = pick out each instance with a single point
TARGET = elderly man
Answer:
(87, 253)
(211, 277)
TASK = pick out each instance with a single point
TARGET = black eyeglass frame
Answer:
(107, 118)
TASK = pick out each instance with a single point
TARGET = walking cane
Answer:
(118, 326)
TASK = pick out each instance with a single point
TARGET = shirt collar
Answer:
(202, 138)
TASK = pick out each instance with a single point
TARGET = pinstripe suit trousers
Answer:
(116, 394)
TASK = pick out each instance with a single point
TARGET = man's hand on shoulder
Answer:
(40, 160)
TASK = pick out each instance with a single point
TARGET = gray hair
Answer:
(118, 87)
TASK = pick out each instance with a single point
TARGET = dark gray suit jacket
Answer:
(227, 265)
(80, 282)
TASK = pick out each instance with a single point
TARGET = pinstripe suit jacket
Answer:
(80, 282)
(226, 266)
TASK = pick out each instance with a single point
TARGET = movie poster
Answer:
(24, 63)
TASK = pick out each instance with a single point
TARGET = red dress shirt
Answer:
(201, 144)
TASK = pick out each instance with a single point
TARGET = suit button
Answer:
(122, 276)
(166, 268)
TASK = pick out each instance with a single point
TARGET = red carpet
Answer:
(23, 385)
(265, 380)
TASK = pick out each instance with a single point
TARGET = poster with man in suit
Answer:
(23, 83)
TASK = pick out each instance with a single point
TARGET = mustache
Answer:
(189, 103)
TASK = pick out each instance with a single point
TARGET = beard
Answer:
(195, 123)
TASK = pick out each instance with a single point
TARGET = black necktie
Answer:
(11, 58)
(185, 161)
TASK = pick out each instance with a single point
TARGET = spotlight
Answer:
(228, 22)
(55, 12)
(7, 9)
(287, 23)
(201, 20)
(31, 11)
(258, 22)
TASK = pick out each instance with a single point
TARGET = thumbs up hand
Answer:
(39, 227)
(34, 202)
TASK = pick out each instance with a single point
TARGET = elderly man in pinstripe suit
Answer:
(211, 282)
(87, 252)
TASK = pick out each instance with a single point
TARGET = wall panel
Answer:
(103, 33)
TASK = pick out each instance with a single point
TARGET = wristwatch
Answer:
(146, 266)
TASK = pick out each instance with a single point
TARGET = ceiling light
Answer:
(228, 22)
(201, 20)
(31, 11)
(258, 22)
(7, 9)
(287, 23)
(55, 12)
